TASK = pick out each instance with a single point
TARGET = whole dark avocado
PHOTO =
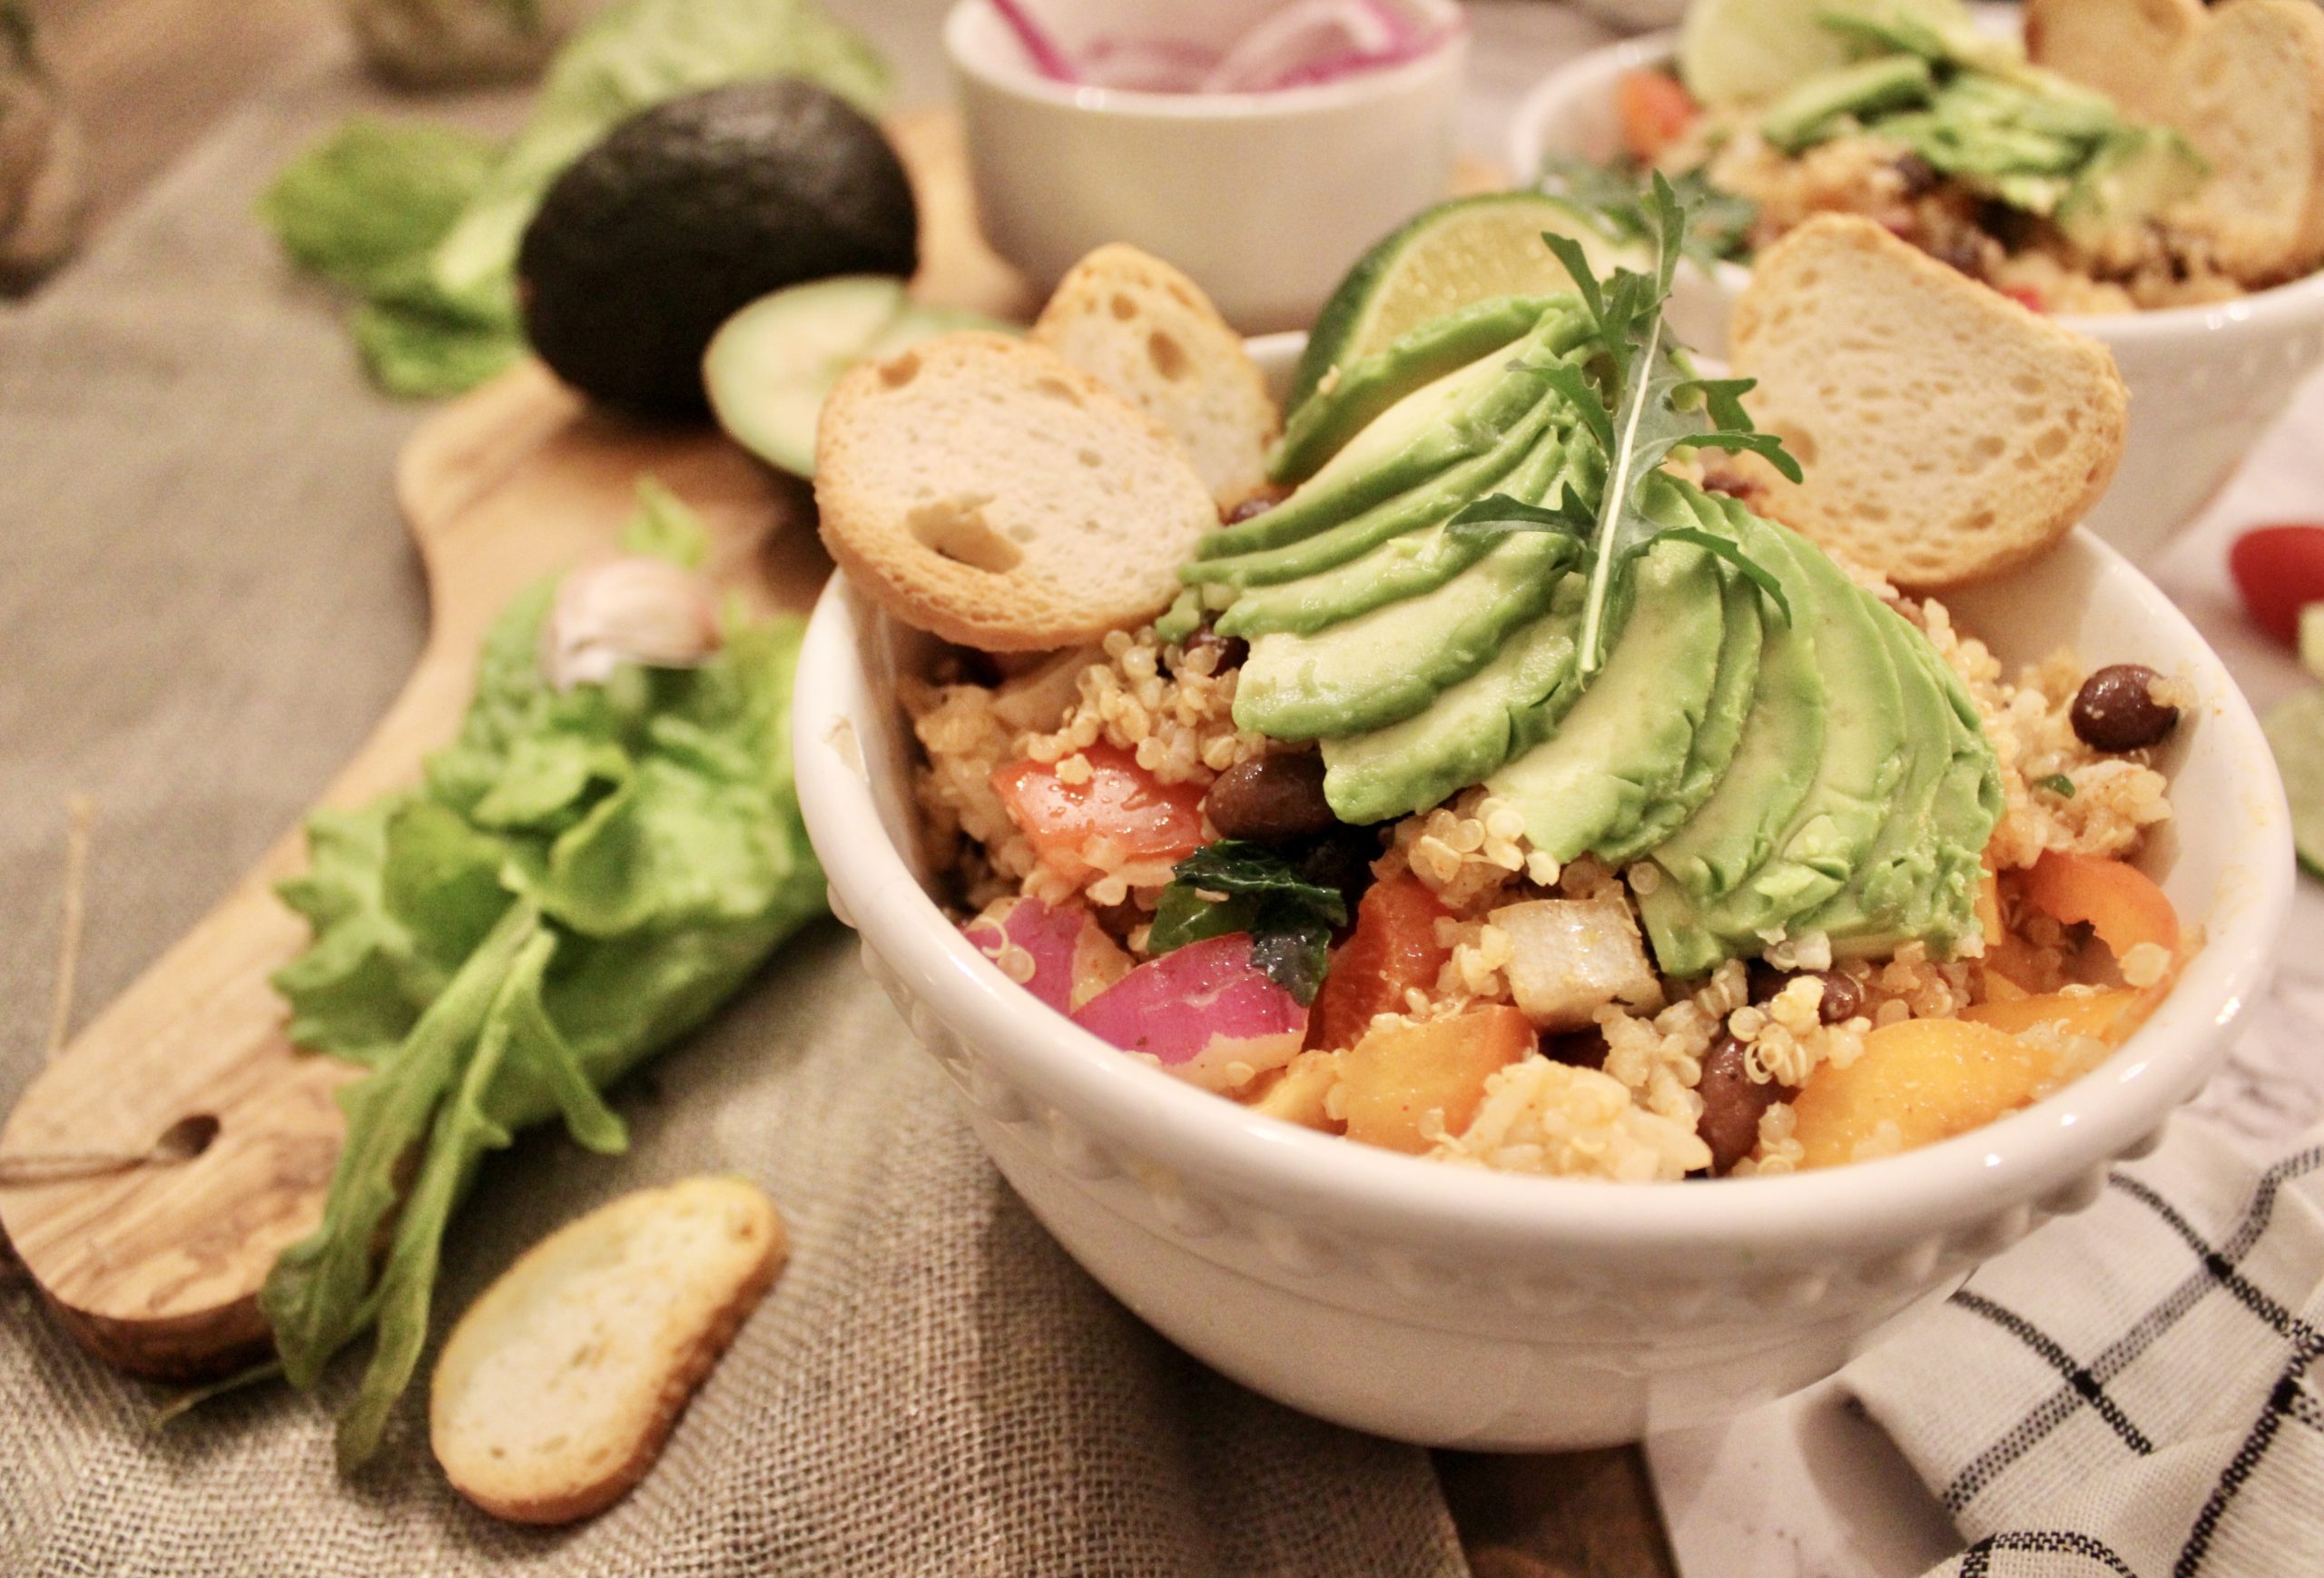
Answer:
(689, 211)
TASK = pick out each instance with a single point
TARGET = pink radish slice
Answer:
(1057, 953)
(1203, 1012)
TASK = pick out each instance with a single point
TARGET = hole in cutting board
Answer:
(186, 1139)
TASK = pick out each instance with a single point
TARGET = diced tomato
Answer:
(2026, 297)
(1150, 822)
(2279, 569)
(1392, 947)
(1654, 110)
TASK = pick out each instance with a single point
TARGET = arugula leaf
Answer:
(1728, 549)
(1614, 200)
(1499, 515)
(1640, 399)
(582, 876)
(1236, 885)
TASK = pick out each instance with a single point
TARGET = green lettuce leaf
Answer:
(582, 876)
(636, 54)
(367, 206)
(425, 222)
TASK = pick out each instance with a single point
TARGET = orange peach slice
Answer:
(1397, 1075)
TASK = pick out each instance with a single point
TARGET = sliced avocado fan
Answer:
(1790, 754)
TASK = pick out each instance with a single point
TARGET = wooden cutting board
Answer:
(156, 1267)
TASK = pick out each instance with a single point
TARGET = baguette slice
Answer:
(1947, 434)
(2248, 91)
(984, 489)
(2123, 48)
(1148, 333)
(559, 1386)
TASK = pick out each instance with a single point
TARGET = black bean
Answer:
(2115, 710)
(1340, 859)
(1231, 649)
(1582, 1048)
(1917, 174)
(1733, 1103)
(1271, 798)
(1962, 255)
(1843, 998)
(1257, 504)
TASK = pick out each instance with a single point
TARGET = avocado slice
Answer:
(1964, 810)
(1722, 726)
(1888, 891)
(1813, 111)
(1846, 802)
(1469, 729)
(2136, 173)
(1781, 740)
(1386, 665)
(1403, 566)
(1463, 414)
(1624, 746)
(1414, 511)
(1327, 419)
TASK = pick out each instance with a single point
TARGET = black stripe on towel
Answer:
(1977, 1561)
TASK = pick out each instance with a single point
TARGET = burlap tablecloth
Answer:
(205, 600)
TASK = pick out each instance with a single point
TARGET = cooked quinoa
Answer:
(1634, 1117)
(2135, 268)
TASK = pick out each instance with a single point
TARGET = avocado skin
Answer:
(691, 209)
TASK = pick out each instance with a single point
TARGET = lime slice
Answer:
(2311, 638)
(1746, 52)
(2295, 729)
(1444, 257)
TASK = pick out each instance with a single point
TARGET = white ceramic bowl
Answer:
(1459, 1307)
(2205, 381)
(1264, 199)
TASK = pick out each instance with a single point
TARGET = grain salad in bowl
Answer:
(1009, 572)
(1503, 787)
(2061, 179)
(2121, 156)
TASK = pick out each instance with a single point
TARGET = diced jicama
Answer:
(1057, 953)
(1202, 1011)
(1569, 957)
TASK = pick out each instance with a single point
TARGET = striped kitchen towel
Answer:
(2135, 1391)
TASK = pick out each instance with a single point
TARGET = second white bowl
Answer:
(2205, 382)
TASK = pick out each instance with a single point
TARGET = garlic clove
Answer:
(634, 609)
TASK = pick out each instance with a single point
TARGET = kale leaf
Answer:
(1237, 885)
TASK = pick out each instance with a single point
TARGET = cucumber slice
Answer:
(2295, 730)
(1444, 259)
(1750, 51)
(769, 366)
